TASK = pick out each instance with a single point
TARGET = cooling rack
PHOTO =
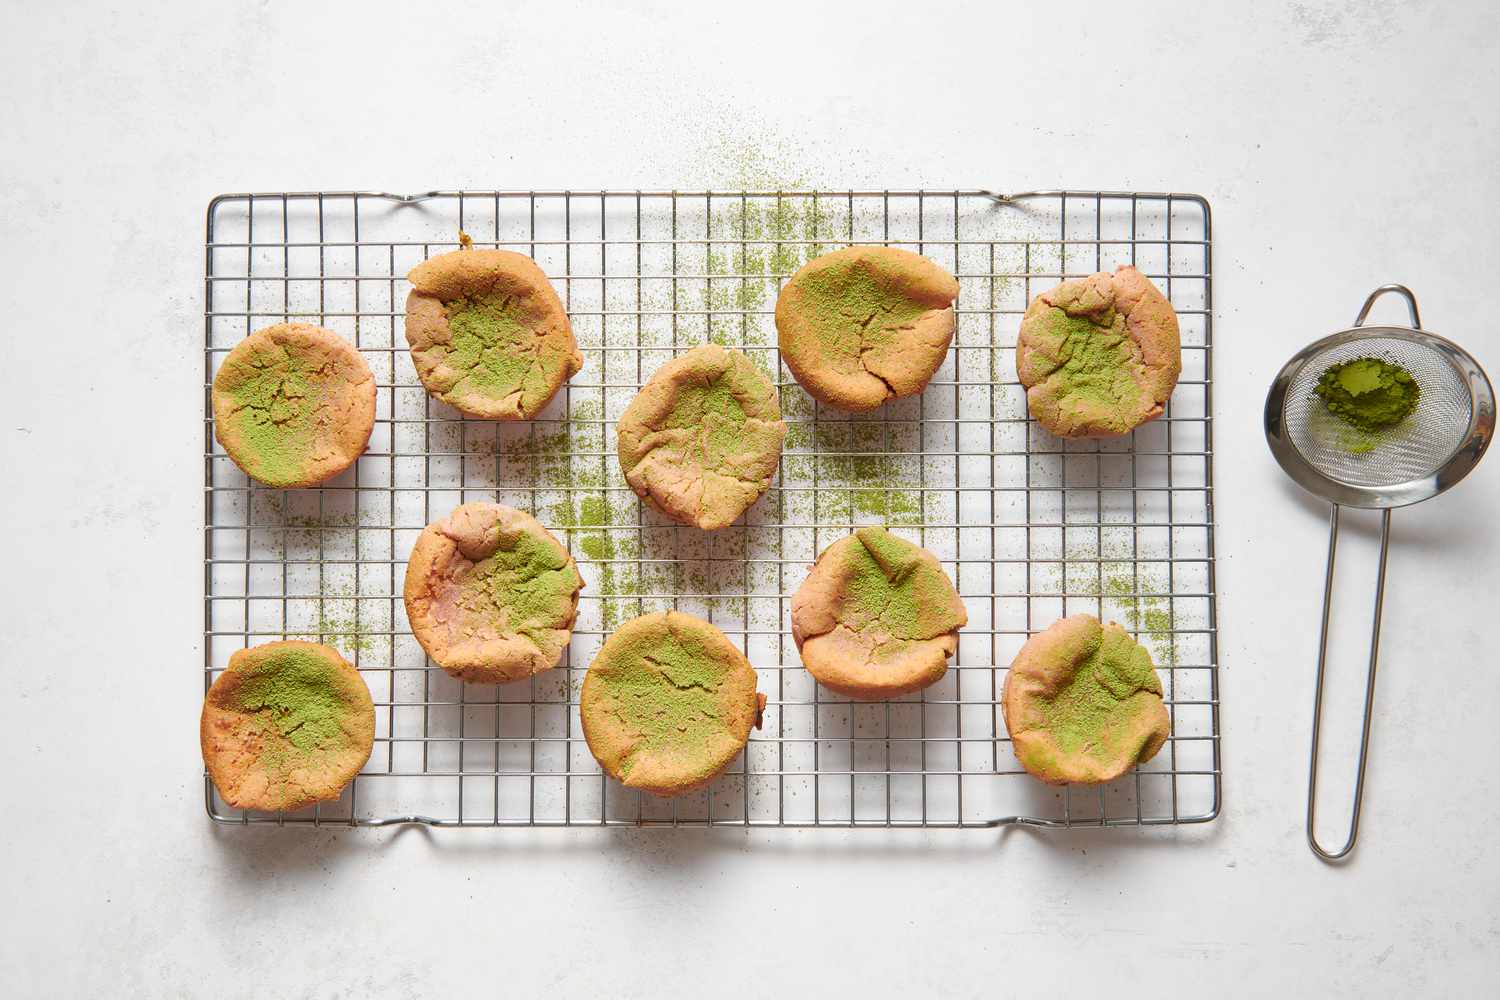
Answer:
(1030, 527)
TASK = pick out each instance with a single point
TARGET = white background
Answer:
(1342, 145)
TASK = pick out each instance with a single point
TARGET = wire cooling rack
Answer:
(1030, 527)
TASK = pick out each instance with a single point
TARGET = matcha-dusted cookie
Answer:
(1083, 703)
(293, 404)
(1099, 356)
(668, 703)
(877, 616)
(286, 725)
(866, 324)
(490, 594)
(488, 334)
(702, 439)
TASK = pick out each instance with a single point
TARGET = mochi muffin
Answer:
(1099, 356)
(864, 325)
(702, 439)
(1083, 703)
(491, 595)
(488, 335)
(287, 725)
(668, 703)
(293, 405)
(877, 617)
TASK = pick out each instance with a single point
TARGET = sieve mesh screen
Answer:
(1413, 449)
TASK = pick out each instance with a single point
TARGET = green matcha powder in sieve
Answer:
(1369, 394)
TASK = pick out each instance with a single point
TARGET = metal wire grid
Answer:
(1030, 527)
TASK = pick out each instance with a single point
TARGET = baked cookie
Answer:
(293, 404)
(490, 594)
(488, 335)
(668, 703)
(1099, 356)
(863, 325)
(286, 725)
(1083, 703)
(877, 617)
(702, 439)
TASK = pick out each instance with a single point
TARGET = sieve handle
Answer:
(1401, 290)
(1364, 738)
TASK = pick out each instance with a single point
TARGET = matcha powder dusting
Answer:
(1368, 393)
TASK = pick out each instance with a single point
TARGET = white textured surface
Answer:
(1342, 146)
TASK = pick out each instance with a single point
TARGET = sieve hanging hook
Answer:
(1461, 448)
(1401, 290)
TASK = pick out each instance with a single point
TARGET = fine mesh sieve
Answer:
(1421, 456)
(1413, 449)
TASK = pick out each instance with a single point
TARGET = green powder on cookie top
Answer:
(1095, 358)
(274, 408)
(528, 579)
(855, 308)
(696, 403)
(495, 349)
(1080, 716)
(890, 584)
(665, 687)
(1368, 394)
(297, 694)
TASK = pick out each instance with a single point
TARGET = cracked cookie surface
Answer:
(287, 724)
(668, 703)
(293, 405)
(488, 334)
(702, 439)
(490, 594)
(877, 617)
(864, 325)
(1099, 356)
(1083, 703)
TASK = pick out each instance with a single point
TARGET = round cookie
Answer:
(1099, 356)
(877, 617)
(864, 325)
(1083, 703)
(668, 703)
(288, 724)
(702, 439)
(490, 594)
(488, 335)
(293, 404)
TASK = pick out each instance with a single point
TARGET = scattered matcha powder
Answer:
(840, 472)
(341, 624)
(343, 620)
(754, 246)
(1129, 592)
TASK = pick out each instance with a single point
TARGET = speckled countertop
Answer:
(1342, 145)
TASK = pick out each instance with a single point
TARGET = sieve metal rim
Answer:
(1453, 467)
